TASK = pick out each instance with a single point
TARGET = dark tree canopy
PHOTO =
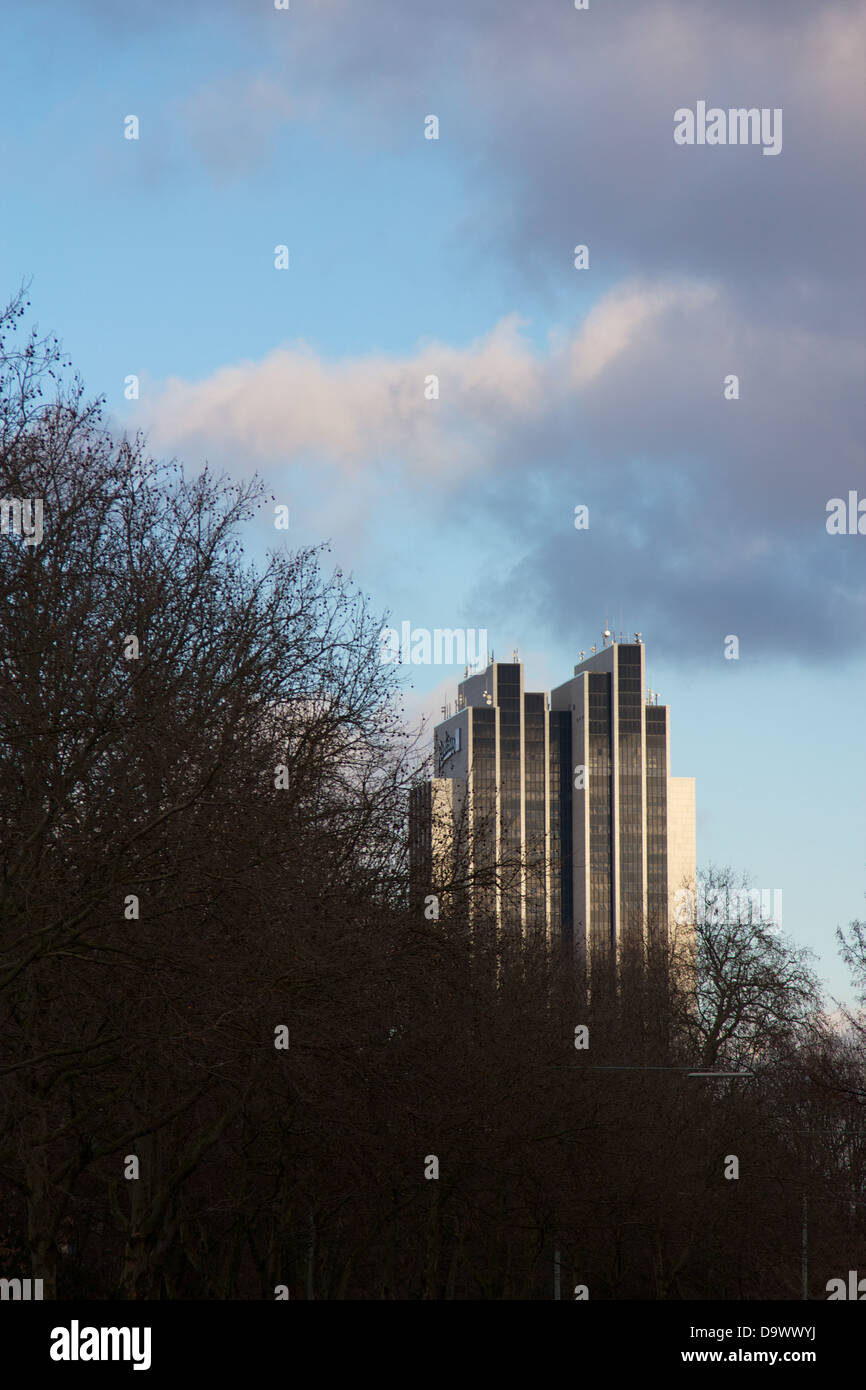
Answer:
(232, 1043)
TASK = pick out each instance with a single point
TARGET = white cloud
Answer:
(618, 320)
(506, 410)
(296, 405)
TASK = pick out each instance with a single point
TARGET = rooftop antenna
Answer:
(582, 654)
(514, 655)
(637, 637)
(592, 649)
(605, 637)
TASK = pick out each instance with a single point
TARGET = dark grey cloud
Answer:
(708, 514)
(687, 580)
(567, 120)
(564, 120)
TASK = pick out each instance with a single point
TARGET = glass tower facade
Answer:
(657, 818)
(600, 797)
(570, 800)
(630, 797)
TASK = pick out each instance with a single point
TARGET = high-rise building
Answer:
(633, 825)
(493, 811)
(561, 811)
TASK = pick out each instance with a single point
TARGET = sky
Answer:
(558, 387)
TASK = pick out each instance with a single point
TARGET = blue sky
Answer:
(557, 387)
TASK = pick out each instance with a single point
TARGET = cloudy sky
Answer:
(558, 387)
